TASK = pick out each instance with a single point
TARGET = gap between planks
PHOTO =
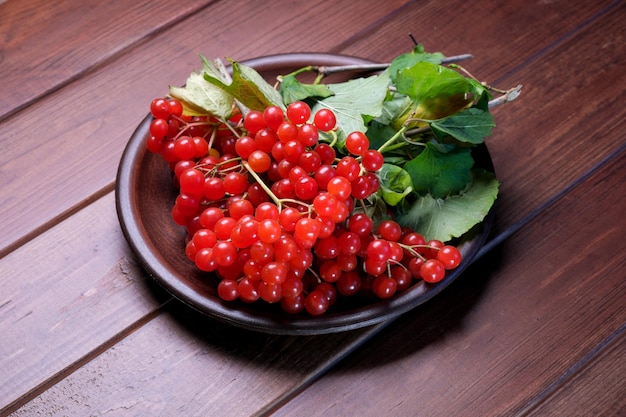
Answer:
(578, 367)
(488, 247)
(100, 63)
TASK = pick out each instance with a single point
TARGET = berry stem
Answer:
(315, 274)
(412, 251)
(416, 131)
(259, 180)
(230, 127)
(391, 140)
(215, 167)
(212, 139)
(187, 127)
(333, 133)
(278, 201)
(506, 95)
(294, 201)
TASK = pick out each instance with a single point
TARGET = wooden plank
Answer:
(104, 136)
(500, 34)
(90, 294)
(45, 43)
(598, 389)
(497, 339)
(107, 156)
(184, 364)
(35, 363)
(180, 357)
(574, 121)
(77, 153)
(64, 294)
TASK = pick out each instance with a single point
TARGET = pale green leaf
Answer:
(293, 90)
(418, 54)
(248, 87)
(200, 98)
(356, 102)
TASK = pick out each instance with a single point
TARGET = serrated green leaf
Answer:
(445, 219)
(437, 91)
(469, 125)
(483, 102)
(248, 87)
(440, 173)
(395, 184)
(409, 59)
(378, 133)
(394, 108)
(293, 90)
(356, 102)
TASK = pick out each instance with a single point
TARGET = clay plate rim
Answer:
(144, 197)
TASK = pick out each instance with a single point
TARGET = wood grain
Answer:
(77, 158)
(597, 388)
(90, 294)
(181, 363)
(536, 327)
(498, 338)
(44, 45)
(65, 294)
(502, 35)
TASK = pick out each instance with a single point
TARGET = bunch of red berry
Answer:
(281, 216)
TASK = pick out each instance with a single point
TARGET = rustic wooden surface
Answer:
(537, 326)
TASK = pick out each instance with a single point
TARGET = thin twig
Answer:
(327, 70)
(508, 95)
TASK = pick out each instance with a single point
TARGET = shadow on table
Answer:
(424, 325)
(432, 321)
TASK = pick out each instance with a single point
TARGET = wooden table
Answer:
(537, 326)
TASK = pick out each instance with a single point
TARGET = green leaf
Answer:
(395, 184)
(470, 125)
(248, 87)
(200, 98)
(440, 173)
(356, 102)
(445, 219)
(409, 59)
(483, 102)
(394, 108)
(378, 133)
(293, 90)
(437, 91)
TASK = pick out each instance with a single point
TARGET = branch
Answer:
(508, 95)
(327, 70)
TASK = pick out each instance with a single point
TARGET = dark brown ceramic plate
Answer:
(144, 197)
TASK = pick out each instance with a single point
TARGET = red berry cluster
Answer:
(278, 215)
